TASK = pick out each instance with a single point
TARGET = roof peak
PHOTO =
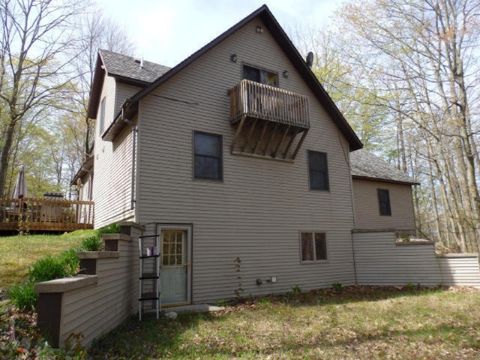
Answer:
(292, 54)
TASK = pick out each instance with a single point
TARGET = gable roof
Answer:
(124, 68)
(293, 55)
(367, 166)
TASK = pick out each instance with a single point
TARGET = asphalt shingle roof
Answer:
(367, 165)
(126, 66)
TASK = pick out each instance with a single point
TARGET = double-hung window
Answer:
(313, 246)
(318, 170)
(207, 156)
(384, 202)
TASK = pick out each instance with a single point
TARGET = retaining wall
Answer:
(381, 260)
(103, 295)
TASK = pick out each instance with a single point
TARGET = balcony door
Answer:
(175, 278)
(259, 75)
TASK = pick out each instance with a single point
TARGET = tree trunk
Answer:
(5, 155)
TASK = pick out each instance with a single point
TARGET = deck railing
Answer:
(45, 214)
(252, 99)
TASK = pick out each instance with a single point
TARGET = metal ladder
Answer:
(149, 254)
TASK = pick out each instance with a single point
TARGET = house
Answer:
(383, 199)
(242, 162)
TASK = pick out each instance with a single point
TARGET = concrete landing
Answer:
(196, 308)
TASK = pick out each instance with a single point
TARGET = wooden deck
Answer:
(270, 122)
(45, 214)
(264, 102)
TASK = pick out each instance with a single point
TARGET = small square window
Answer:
(384, 202)
(208, 156)
(313, 246)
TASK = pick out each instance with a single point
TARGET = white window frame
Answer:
(321, 261)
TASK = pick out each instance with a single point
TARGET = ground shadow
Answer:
(346, 295)
(163, 338)
(135, 339)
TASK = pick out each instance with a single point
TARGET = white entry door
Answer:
(174, 271)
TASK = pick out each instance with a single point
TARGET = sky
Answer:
(167, 31)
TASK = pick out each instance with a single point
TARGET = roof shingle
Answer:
(364, 164)
(128, 67)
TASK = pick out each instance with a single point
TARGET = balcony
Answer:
(44, 214)
(270, 122)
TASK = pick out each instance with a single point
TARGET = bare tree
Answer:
(35, 36)
(359, 103)
(96, 32)
(425, 54)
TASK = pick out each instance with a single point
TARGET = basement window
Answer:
(384, 202)
(313, 246)
(208, 156)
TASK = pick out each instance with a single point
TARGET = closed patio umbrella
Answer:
(20, 190)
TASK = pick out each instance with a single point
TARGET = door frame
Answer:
(189, 229)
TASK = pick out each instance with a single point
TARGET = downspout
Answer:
(346, 155)
(352, 201)
(134, 158)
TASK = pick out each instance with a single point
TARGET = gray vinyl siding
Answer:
(258, 210)
(113, 166)
(367, 212)
(380, 261)
(458, 270)
(123, 92)
(97, 309)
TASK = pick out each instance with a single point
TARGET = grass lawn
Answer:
(17, 253)
(359, 323)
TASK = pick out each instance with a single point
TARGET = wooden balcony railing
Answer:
(255, 100)
(45, 214)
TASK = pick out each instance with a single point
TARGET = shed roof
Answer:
(367, 166)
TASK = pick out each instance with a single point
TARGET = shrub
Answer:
(338, 287)
(92, 243)
(23, 295)
(46, 269)
(109, 229)
(70, 262)
(296, 290)
(54, 267)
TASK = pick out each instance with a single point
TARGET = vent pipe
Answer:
(139, 61)
(309, 59)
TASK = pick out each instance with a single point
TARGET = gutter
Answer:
(371, 178)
